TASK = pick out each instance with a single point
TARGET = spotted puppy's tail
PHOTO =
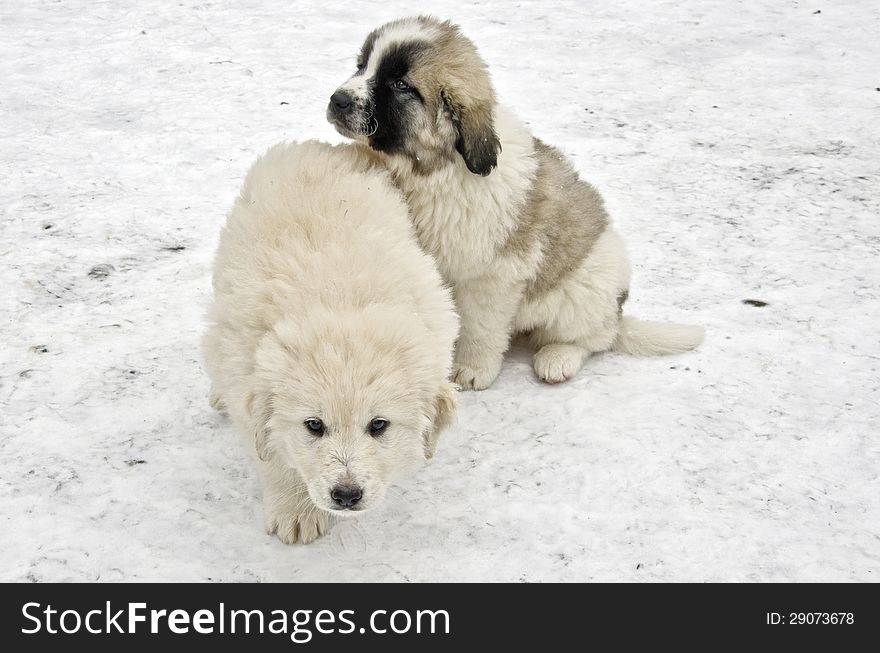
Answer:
(643, 338)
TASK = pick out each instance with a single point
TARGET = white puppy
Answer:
(527, 244)
(331, 335)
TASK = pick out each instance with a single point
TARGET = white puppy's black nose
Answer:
(340, 101)
(346, 496)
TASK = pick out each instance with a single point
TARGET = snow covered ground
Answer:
(737, 146)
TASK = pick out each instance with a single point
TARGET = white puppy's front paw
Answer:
(296, 526)
(558, 363)
(475, 375)
(216, 401)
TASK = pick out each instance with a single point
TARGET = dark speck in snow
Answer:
(101, 271)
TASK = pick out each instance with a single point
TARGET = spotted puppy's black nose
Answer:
(340, 101)
(346, 496)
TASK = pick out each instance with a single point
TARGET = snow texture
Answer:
(736, 144)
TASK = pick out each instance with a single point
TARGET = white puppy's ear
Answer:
(444, 412)
(259, 408)
(477, 142)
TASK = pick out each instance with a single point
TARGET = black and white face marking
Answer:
(373, 105)
(394, 98)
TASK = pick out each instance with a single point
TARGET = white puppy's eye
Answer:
(378, 426)
(400, 85)
(315, 426)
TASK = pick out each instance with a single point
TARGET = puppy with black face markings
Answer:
(526, 244)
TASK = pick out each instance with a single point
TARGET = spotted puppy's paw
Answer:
(559, 362)
(473, 374)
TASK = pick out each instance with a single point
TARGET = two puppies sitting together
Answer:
(342, 273)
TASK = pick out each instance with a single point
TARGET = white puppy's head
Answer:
(347, 401)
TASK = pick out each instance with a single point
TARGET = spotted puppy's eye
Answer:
(315, 426)
(378, 426)
(400, 85)
(360, 66)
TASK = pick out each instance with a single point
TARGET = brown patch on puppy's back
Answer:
(565, 213)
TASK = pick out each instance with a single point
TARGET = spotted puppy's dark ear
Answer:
(259, 409)
(474, 124)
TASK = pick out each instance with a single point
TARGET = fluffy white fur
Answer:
(464, 220)
(326, 308)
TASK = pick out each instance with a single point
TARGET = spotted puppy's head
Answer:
(422, 94)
